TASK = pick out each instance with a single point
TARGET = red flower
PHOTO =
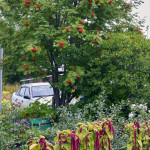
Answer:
(108, 37)
(28, 5)
(33, 59)
(3, 60)
(140, 31)
(96, 2)
(101, 3)
(80, 30)
(78, 77)
(37, 6)
(26, 68)
(92, 15)
(63, 28)
(90, 1)
(110, 2)
(94, 41)
(27, 2)
(68, 81)
(39, 68)
(90, 4)
(41, 73)
(74, 70)
(3, 38)
(61, 44)
(26, 23)
(68, 29)
(81, 22)
(99, 31)
(84, 3)
(23, 66)
(34, 49)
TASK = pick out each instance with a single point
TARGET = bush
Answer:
(37, 110)
(68, 119)
(95, 135)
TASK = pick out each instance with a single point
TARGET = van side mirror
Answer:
(26, 97)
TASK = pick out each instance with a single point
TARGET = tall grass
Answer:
(10, 88)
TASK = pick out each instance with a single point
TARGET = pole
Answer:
(147, 28)
(1, 73)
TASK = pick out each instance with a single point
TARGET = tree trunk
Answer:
(56, 97)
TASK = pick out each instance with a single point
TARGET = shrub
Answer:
(139, 135)
(37, 110)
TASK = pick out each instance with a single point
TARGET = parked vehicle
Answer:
(29, 93)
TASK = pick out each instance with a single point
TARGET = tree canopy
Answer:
(94, 40)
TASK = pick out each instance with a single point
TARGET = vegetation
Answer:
(20, 131)
(40, 36)
(106, 61)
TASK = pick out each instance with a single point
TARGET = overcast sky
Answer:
(144, 11)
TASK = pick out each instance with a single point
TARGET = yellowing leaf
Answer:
(129, 147)
(33, 146)
(140, 143)
(41, 136)
(90, 126)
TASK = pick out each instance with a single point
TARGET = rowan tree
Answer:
(39, 36)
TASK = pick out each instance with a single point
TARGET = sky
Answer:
(144, 11)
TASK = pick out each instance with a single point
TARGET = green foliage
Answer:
(88, 136)
(12, 133)
(121, 70)
(97, 135)
(37, 110)
(68, 119)
(49, 34)
(139, 135)
(39, 143)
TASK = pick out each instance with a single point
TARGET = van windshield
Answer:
(42, 91)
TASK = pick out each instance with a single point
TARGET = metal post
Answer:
(1, 73)
(147, 28)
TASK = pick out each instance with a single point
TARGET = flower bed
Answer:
(96, 135)
(65, 126)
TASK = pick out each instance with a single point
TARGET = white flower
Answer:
(131, 115)
(140, 106)
(145, 108)
(149, 111)
(133, 106)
